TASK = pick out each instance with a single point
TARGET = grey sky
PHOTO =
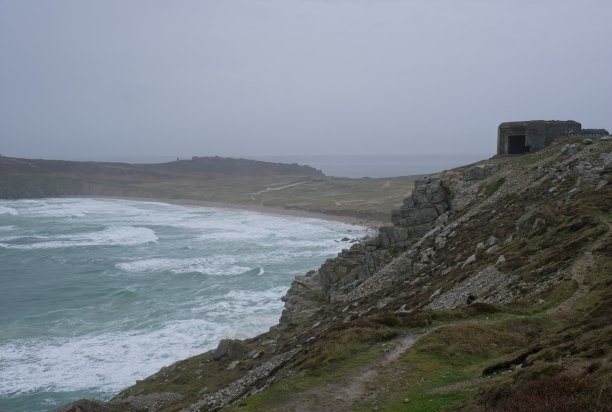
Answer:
(272, 77)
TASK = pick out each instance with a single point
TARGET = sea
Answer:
(350, 166)
(97, 293)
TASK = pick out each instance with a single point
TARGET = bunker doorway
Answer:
(516, 144)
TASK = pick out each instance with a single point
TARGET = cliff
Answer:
(491, 290)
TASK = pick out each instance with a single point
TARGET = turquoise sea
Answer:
(97, 293)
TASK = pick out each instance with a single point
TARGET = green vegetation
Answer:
(536, 337)
(492, 187)
(252, 184)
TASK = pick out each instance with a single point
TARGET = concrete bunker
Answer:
(532, 135)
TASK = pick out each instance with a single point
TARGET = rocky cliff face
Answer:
(504, 269)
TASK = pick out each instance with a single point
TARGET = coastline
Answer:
(370, 224)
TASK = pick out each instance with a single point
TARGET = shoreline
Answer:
(276, 211)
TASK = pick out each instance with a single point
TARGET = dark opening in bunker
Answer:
(516, 144)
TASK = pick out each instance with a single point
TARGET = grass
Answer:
(454, 353)
(492, 187)
(343, 361)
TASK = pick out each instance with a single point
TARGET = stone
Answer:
(254, 354)
(440, 242)
(524, 219)
(488, 285)
(233, 365)
(607, 163)
(480, 247)
(402, 309)
(469, 261)
(427, 255)
(84, 405)
(500, 260)
(269, 342)
(492, 250)
(601, 184)
(492, 240)
(538, 224)
(149, 402)
(230, 348)
(569, 150)
(480, 172)
(436, 293)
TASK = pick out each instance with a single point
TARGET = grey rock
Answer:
(569, 150)
(436, 293)
(480, 172)
(492, 240)
(607, 163)
(427, 255)
(601, 184)
(440, 242)
(84, 405)
(254, 380)
(501, 259)
(538, 224)
(254, 354)
(489, 283)
(469, 261)
(150, 402)
(230, 348)
(492, 250)
(480, 247)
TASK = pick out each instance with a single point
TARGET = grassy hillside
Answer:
(495, 296)
(210, 179)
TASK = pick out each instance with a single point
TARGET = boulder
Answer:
(492, 240)
(480, 172)
(469, 261)
(84, 405)
(569, 150)
(229, 348)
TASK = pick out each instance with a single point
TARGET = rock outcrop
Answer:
(478, 238)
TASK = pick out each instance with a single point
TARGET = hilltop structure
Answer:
(529, 136)
(594, 132)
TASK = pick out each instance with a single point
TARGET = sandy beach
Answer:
(371, 224)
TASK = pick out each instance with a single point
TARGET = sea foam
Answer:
(117, 289)
(8, 211)
(110, 236)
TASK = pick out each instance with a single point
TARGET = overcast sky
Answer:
(112, 78)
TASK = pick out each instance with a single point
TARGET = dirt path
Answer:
(340, 395)
(273, 189)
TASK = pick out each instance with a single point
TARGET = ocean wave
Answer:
(110, 236)
(111, 361)
(4, 210)
(214, 266)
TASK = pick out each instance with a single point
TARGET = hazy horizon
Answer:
(336, 165)
(278, 78)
